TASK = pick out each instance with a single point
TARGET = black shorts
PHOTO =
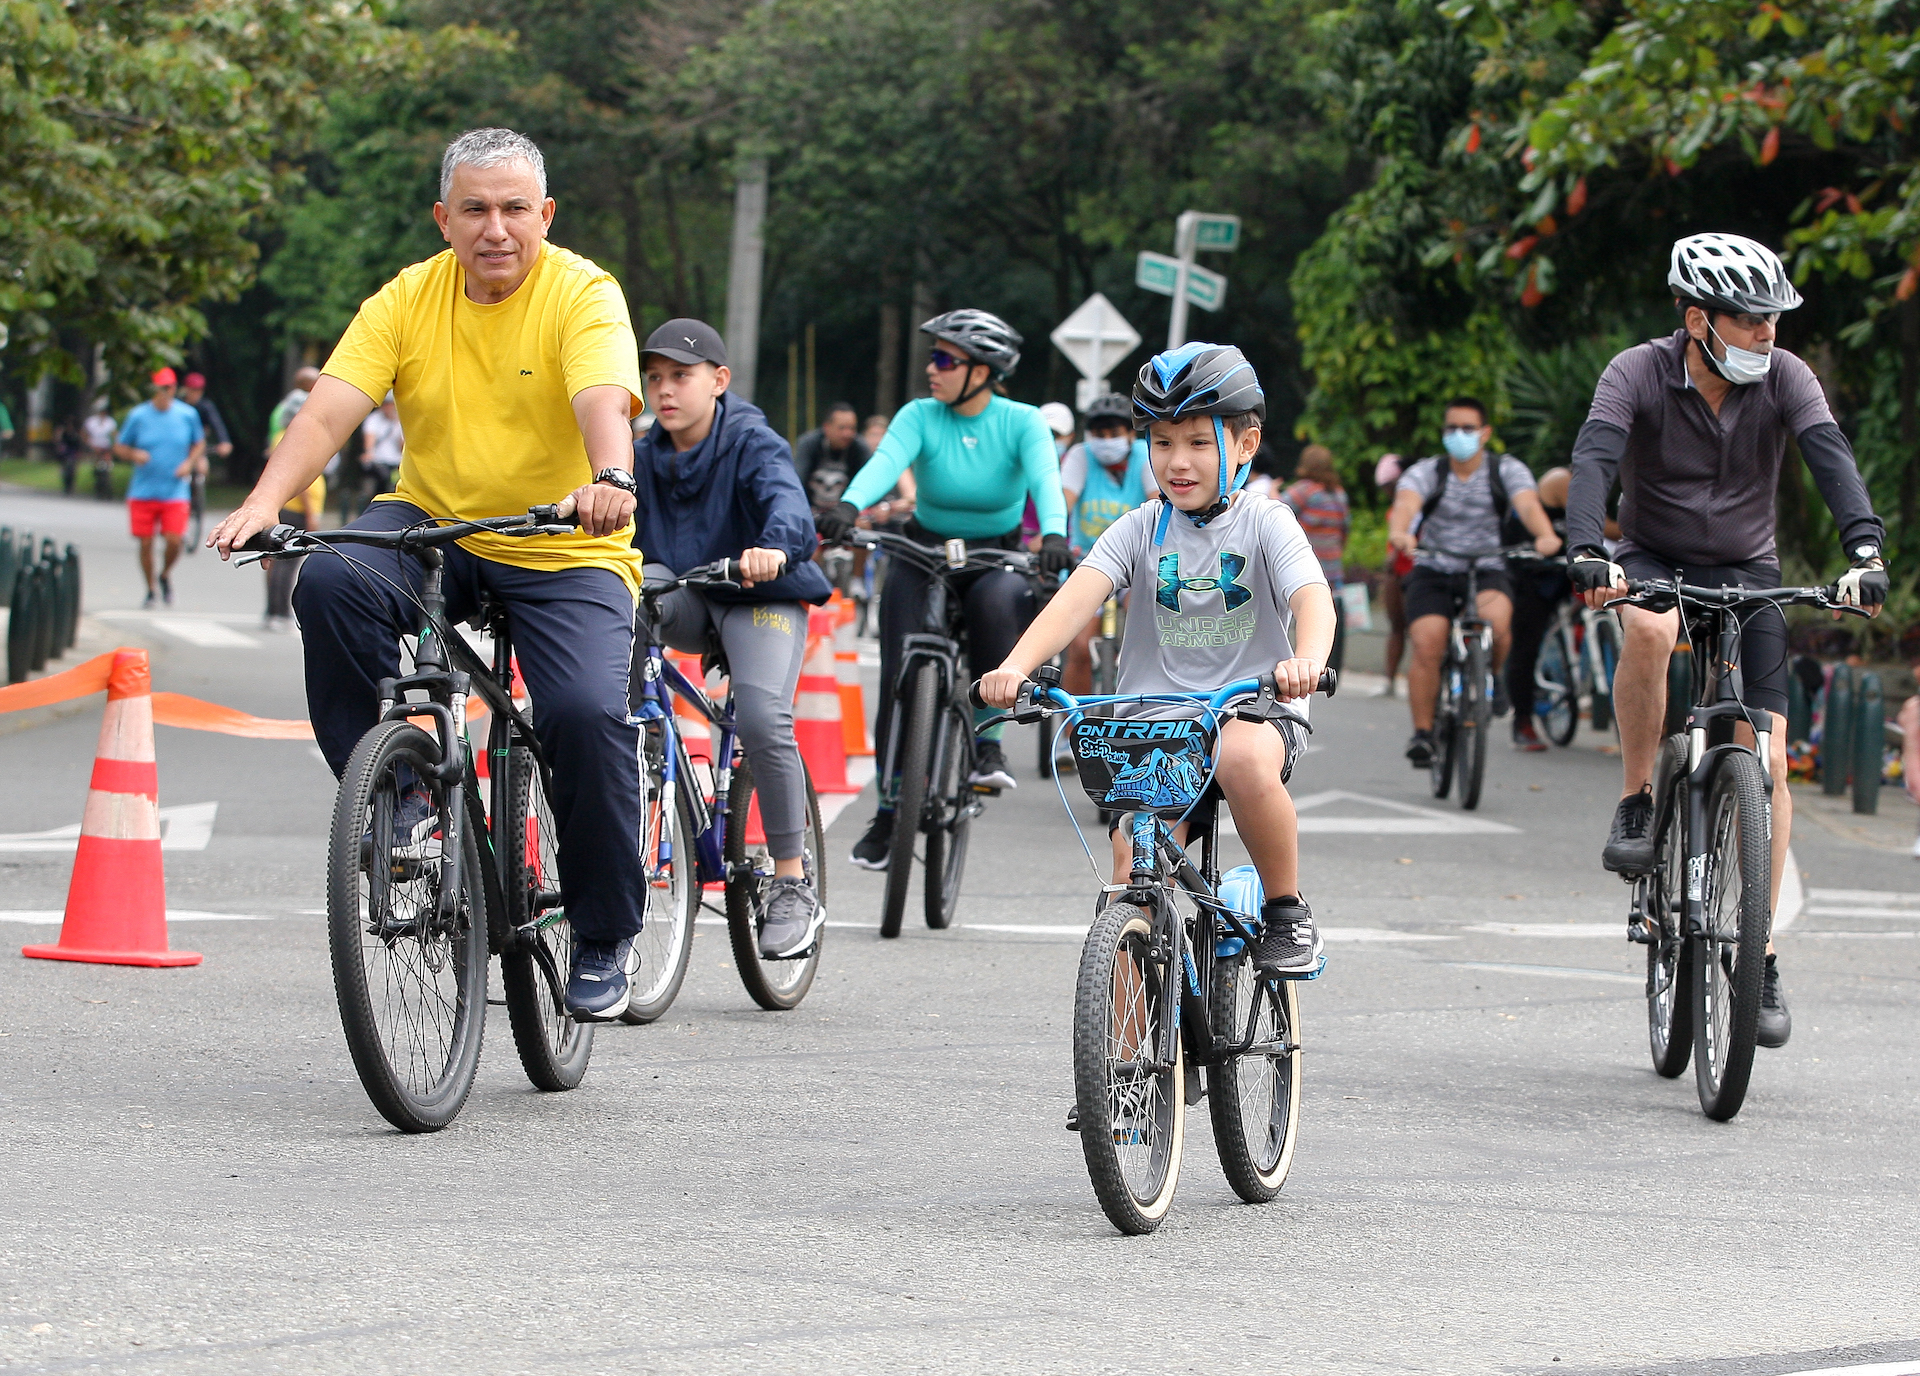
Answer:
(1429, 592)
(1763, 630)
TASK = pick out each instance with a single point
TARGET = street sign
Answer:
(1095, 337)
(1216, 233)
(1156, 272)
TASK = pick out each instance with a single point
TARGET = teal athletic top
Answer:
(974, 473)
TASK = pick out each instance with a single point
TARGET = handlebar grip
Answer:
(1329, 681)
(973, 695)
(267, 541)
(730, 570)
(551, 515)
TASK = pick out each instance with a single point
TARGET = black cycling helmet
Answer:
(1199, 380)
(1725, 272)
(982, 336)
(1109, 406)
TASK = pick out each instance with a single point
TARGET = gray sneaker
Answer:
(793, 919)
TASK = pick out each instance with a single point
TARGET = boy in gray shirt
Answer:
(1229, 576)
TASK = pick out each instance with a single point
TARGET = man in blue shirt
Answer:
(167, 445)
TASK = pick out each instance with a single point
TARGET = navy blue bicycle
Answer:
(1167, 984)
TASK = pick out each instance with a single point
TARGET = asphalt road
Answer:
(1490, 1177)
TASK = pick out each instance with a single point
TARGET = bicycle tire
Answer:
(426, 1092)
(1254, 1098)
(1670, 952)
(1117, 952)
(949, 830)
(1472, 729)
(665, 943)
(1606, 650)
(1558, 667)
(554, 1049)
(1440, 766)
(921, 703)
(1730, 956)
(776, 985)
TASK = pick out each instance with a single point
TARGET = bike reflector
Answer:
(1132, 765)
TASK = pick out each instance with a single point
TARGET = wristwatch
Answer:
(616, 477)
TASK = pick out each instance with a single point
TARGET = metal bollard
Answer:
(43, 594)
(9, 564)
(1799, 710)
(1836, 740)
(20, 630)
(73, 596)
(1869, 736)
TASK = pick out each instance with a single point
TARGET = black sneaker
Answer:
(1501, 706)
(153, 600)
(1776, 1023)
(793, 919)
(990, 767)
(1073, 1119)
(1630, 842)
(870, 852)
(1420, 749)
(166, 589)
(1525, 737)
(1289, 942)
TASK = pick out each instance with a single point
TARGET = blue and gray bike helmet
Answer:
(1199, 380)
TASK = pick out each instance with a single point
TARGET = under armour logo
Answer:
(1172, 584)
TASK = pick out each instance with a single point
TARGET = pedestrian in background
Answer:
(67, 449)
(1319, 499)
(309, 515)
(97, 433)
(893, 511)
(826, 458)
(1386, 476)
(383, 442)
(193, 391)
(164, 441)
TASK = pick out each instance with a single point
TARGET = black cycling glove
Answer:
(1589, 570)
(1054, 555)
(836, 522)
(1866, 583)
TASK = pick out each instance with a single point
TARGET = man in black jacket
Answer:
(827, 458)
(1696, 426)
(715, 482)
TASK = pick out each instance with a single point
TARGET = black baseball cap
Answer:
(687, 341)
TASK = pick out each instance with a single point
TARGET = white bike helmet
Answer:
(1726, 272)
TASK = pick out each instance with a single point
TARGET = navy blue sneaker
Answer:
(416, 824)
(600, 982)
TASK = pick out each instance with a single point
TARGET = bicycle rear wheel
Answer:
(665, 943)
(1254, 1097)
(1670, 951)
(773, 984)
(1445, 736)
(411, 982)
(1559, 684)
(534, 964)
(951, 822)
(1476, 721)
(1132, 1108)
(1730, 956)
(921, 707)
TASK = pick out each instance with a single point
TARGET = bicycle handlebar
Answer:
(721, 573)
(283, 540)
(1662, 594)
(1030, 707)
(934, 558)
(1526, 551)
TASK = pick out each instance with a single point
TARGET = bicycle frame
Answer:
(661, 682)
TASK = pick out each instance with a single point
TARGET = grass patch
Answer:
(43, 475)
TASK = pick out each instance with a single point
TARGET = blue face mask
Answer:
(1461, 445)
(1111, 452)
(1060, 447)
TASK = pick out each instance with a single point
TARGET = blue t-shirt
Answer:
(974, 472)
(1103, 499)
(168, 437)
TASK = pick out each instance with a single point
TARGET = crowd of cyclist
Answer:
(516, 370)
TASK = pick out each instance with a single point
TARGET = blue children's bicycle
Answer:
(700, 829)
(1167, 983)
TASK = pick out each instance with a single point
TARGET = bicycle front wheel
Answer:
(951, 822)
(534, 965)
(1254, 1097)
(773, 984)
(1730, 955)
(921, 706)
(1606, 657)
(1558, 687)
(1446, 736)
(410, 973)
(665, 943)
(1669, 951)
(1132, 1105)
(1476, 721)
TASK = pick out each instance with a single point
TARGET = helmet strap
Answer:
(1713, 364)
(970, 393)
(1200, 518)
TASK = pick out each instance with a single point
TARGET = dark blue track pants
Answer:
(573, 632)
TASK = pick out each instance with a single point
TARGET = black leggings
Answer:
(996, 605)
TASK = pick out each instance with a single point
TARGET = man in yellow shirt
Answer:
(516, 373)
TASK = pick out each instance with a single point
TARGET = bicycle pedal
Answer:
(1639, 933)
(985, 790)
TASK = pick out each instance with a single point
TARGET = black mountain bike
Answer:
(929, 745)
(1705, 910)
(1463, 714)
(413, 918)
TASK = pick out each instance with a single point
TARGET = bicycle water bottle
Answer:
(1240, 890)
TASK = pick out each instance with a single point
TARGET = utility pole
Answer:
(743, 275)
(1183, 235)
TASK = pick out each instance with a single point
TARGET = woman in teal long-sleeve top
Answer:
(976, 458)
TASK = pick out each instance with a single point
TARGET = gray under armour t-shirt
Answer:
(1211, 604)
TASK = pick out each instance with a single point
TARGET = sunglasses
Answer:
(944, 362)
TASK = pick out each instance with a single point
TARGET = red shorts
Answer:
(170, 517)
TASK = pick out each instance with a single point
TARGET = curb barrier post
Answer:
(9, 564)
(1836, 737)
(816, 709)
(1869, 739)
(69, 600)
(117, 900)
(20, 629)
(1799, 710)
(43, 594)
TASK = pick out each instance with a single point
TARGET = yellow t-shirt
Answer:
(486, 395)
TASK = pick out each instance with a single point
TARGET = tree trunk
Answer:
(1909, 411)
(923, 310)
(886, 379)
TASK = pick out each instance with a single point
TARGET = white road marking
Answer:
(1793, 899)
(1871, 1369)
(1616, 930)
(1552, 971)
(1828, 936)
(45, 918)
(859, 774)
(186, 827)
(1863, 912)
(1408, 820)
(209, 635)
(1862, 896)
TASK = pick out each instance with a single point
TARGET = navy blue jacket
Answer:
(735, 490)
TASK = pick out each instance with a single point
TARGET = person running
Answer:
(715, 482)
(1537, 595)
(1462, 500)
(1695, 425)
(193, 391)
(1102, 478)
(1203, 408)
(976, 457)
(1319, 499)
(164, 441)
(517, 376)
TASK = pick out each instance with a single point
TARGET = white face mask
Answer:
(1110, 452)
(1741, 366)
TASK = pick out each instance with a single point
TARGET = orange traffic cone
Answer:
(853, 703)
(816, 709)
(117, 901)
